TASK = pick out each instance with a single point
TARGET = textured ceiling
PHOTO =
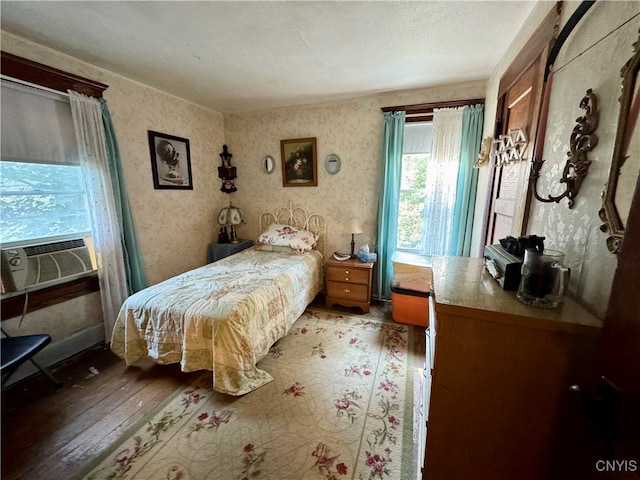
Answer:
(239, 56)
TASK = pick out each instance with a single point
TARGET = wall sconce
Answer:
(485, 153)
(583, 139)
(226, 172)
(355, 228)
(231, 217)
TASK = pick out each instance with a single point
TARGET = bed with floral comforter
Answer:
(222, 317)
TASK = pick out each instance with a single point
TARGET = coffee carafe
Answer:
(543, 278)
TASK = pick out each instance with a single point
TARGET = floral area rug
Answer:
(340, 407)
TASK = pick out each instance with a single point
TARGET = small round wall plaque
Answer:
(268, 164)
(332, 164)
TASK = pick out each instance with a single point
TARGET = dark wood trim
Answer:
(540, 132)
(561, 37)
(428, 107)
(543, 38)
(497, 127)
(537, 46)
(419, 118)
(46, 297)
(40, 74)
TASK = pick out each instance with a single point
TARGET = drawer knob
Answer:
(346, 290)
(347, 272)
(346, 279)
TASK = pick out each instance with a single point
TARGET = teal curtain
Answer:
(472, 121)
(388, 200)
(136, 276)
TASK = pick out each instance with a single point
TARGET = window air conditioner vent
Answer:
(44, 264)
(53, 247)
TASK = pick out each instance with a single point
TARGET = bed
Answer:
(225, 316)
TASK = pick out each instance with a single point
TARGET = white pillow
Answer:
(288, 236)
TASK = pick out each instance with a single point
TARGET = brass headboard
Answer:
(297, 217)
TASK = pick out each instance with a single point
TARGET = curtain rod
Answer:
(428, 107)
(33, 85)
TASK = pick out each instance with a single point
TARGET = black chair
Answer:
(17, 350)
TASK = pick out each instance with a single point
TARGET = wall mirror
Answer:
(332, 164)
(625, 164)
(268, 164)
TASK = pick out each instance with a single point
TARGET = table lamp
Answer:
(355, 229)
(231, 216)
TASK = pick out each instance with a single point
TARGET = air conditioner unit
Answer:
(44, 264)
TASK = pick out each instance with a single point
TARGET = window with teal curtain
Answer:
(136, 276)
(440, 182)
(472, 123)
(388, 200)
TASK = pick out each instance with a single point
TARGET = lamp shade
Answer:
(354, 226)
(231, 216)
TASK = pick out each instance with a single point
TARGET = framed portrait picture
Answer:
(170, 161)
(299, 162)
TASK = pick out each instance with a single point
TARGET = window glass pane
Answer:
(414, 171)
(412, 194)
(410, 219)
(39, 200)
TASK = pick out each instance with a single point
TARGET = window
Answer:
(415, 160)
(41, 189)
(32, 73)
(39, 201)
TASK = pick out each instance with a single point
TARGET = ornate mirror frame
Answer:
(609, 213)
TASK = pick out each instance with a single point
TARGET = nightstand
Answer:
(349, 283)
(217, 251)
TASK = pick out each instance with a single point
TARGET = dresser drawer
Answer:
(353, 291)
(349, 275)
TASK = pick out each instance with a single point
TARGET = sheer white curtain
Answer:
(441, 180)
(87, 120)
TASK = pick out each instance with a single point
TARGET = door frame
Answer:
(537, 47)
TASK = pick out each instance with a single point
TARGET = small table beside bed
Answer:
(225, 316)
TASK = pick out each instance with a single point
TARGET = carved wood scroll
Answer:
(582, 140)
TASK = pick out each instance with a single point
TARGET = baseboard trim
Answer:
(59, 351)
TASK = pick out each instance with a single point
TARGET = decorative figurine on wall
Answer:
(226, 172)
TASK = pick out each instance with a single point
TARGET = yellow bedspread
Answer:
(222, 317)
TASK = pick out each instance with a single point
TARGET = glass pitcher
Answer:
(543, 278)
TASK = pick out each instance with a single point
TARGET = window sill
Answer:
(13, 302)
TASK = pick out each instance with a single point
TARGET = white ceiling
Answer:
(240, 55)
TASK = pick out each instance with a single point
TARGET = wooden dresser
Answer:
(349, 283)
(500, 376)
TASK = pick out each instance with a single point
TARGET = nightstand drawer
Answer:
(350, 275)
(353, 291)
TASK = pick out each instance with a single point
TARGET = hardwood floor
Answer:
(55, 434)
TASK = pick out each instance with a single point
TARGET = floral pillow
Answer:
(284, 235)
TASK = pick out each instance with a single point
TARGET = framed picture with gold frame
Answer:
(299, 162)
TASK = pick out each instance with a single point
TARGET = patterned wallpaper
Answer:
(173, 226)
(350, 129)
(576, 232)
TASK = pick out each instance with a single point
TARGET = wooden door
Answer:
(519, 103)
(598, 433)
(520, 106)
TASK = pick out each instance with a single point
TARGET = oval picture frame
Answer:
(332, 164)
(268, 164)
